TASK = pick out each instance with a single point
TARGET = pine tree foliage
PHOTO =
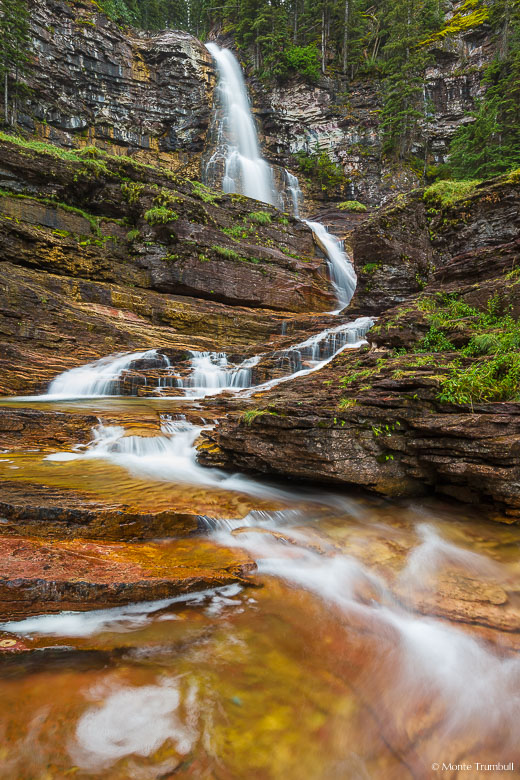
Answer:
(14, 54)
(490, 144)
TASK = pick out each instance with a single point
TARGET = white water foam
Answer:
(100, 378)
(133, 721)
(341, 269)
(130, 617)
(245, 171)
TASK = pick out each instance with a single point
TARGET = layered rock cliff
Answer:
(395, 418)
(99, 245)
(125, 91)
(150, 96)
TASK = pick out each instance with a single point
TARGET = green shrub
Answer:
(304, 60)
(434, 341)
(445, 193)
(492, 379)
(352, 205)
(160, 215)
(320, 167)
(260, 217)
(133, 235)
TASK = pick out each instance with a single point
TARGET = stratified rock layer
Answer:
(375, 419)
(35, 577)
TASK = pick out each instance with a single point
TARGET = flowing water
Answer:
(373, 639)
(238, 165)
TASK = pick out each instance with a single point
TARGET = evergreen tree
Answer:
(14, 53)
(490, 144)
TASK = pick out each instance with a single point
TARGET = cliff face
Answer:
(139, 257)
(150, 96)
(124, 91)
(343, 119)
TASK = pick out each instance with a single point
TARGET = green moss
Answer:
(370, 268)
(260, 217)
(446, 193)
(132, 191)
(352, 205)
(167, 199)
(160, 215)
(472, 13)
(133, 235)
(204, 193)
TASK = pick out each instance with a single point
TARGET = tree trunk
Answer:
(345, 38)
(6, 97)
(323, 40)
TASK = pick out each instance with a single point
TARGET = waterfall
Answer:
(295, 193)
(342, 272)
(244, 169)
(211, 373)
(99, 378)
(323, 346)
(247, 173)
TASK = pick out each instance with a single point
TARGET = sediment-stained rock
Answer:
(50, 513)
(36, 577)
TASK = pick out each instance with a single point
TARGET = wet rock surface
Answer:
(374, 419)
(35, 577)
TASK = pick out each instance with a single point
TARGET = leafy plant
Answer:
(352, 205)
(260, 217)
(160, 215)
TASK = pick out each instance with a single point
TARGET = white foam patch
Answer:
(118, 619)
(131, 721)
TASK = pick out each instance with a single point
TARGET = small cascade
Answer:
(245, 171)
(211, 373)
(292, 186)
(341, 269)
(323, 346)
(100, 378)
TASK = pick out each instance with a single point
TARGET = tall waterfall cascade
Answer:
(245, 171)
(238, 164)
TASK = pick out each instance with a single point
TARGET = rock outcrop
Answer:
(343, 118)
(379, 419)
(35, 577)
(127, 92)
(140, 257)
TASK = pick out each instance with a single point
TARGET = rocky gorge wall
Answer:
(444, 284)
(125, 91)
(343, 119)
(150, 96)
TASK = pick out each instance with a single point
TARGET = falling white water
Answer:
(211, 373)
(433, 659)
(359, 326)
(171, 457)
(323, 346)
(245, 171)
(100, 378)
(341, 270)
(295, 194)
